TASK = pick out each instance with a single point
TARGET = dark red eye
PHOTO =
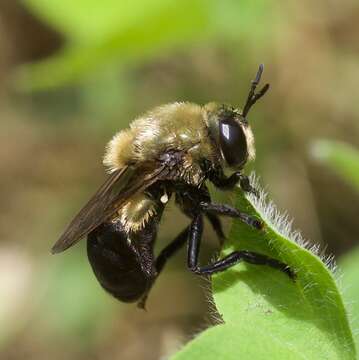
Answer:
(233, 143)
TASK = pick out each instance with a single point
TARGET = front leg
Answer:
(220, 180)
(226, 210)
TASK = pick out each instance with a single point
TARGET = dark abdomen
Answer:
(123, 269)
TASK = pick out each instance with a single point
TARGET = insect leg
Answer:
(228, 183)
(246, 185)
(194, 242)
(171, 249)
(248, 257)
(230, 211)
(162, 259)
(195, 235)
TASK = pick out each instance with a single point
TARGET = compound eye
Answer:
(233, 143)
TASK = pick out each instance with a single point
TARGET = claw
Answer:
(254, 192)
(257, 224)
(291, 273)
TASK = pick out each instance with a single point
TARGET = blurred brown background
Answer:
(109, 63)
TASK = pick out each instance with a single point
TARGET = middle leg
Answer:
(195, 235)
(171, 249)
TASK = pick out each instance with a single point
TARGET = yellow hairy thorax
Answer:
(177, 126)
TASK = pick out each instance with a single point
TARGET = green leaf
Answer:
(239, 341)
(114, 33)
(342, 158)
(117, 32)
(303, 319)
(73, 303)
(349, 266)
(84, 21)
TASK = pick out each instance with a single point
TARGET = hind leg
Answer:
(169, 251)
(175, 245)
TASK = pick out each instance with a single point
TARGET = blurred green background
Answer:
(75, 72)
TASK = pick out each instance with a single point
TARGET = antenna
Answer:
(252, 96)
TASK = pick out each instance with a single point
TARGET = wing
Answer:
(115, 191)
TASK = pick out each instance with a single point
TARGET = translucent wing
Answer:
(114, 192)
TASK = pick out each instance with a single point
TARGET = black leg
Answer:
(194, 242)
(217, 226)
(220, 180)
(228, 183)
(227, 210)
(246, 185)
(195, 235)
(162, 259)
(223, 182)
(248, 257)
(170, 250)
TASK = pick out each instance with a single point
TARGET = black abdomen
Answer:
(123, 268)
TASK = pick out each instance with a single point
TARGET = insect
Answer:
(172, 150)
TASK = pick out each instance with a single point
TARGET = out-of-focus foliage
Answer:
(133, 30)
(12, 291)
(75, 302)
(349, 267)
(101, 33)
(117, 60)
(342, 158)
(305, 318)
